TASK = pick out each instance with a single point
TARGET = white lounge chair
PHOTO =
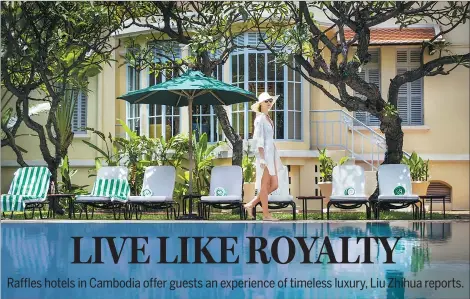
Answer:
(395, 189)
(110, 191)
(28, 190)
(157, 191)
(281, 197)
(226, 190)
(348, 189)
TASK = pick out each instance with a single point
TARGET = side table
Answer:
(304, 204)
(191, 215)
(431, 198)
(57, 197)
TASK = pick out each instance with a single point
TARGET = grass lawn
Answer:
(394, 215)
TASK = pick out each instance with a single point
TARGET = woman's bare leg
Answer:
(264, 192)
(274, 183)
(265, 181)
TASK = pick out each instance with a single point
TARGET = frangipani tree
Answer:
(207, 29)
(331, 57)
(52, 48)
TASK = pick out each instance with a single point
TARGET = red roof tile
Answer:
(396, 35)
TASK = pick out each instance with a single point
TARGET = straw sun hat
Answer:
(261, 98)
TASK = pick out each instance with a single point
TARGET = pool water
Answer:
(431, 261)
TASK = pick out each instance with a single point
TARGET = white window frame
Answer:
(132, 120)
(297, 79)
(164, 116)
(216, 133)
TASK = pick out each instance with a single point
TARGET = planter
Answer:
(325, 188)
(371, 182)
(420, 188)
(248, 192)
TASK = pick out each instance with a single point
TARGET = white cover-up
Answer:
(263, 137)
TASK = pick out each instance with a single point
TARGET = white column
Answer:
(144, 114)
(305, 108)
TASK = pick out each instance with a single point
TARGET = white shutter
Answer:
(361, 115)
(371, 74)
(76, 115)
(410, 95)
(83, 111)
(374, 78)
(239, 41)
(403, 99)
(402, 56)
(416, 102)
(79, 117)
(415, 57)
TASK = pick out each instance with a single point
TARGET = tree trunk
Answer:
(391, 127)
(232, 136)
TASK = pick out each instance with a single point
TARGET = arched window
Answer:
(258, 71)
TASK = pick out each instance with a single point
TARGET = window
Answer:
(258, 71)
(164, 120)
(204, 117)
(133, 110)
(371, 74)
(410, 95)
(80, 114)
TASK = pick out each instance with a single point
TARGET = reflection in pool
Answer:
(427, 251)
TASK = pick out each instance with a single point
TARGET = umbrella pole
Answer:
(190, 152)
(191, 216)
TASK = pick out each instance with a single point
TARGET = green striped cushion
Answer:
(14, 203)
(115, 188)
(28, 183)
(31, 181)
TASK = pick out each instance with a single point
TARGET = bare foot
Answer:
(269, 218)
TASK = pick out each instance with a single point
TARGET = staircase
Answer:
(337, 130)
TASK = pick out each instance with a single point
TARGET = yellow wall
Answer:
(444, 134)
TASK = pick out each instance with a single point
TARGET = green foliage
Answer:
(65, 115)
(138, 152)
(249, 169)
(420, 257)
(65, 186)
(110, 155)
(390, 110)
(327, 164)
(419, 169)
(203, 155)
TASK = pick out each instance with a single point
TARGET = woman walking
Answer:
(268, 162)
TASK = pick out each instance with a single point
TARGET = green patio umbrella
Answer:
(190, 89)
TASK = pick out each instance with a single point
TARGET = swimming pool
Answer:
(433, 254)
